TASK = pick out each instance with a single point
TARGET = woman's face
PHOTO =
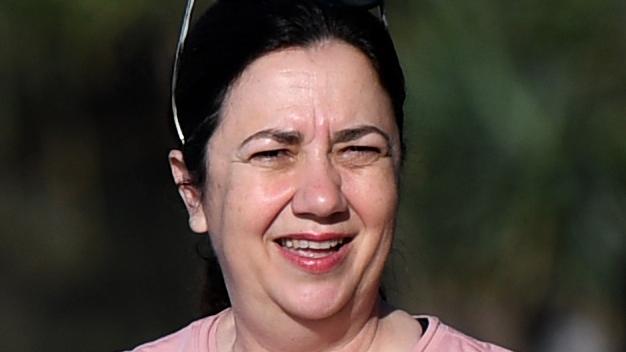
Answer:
(302, 178)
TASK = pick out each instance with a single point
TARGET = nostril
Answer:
(320, 201)
(319, 193)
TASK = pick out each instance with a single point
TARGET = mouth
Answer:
(313, 249)
(314, 253)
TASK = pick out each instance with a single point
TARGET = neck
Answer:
(352, 329)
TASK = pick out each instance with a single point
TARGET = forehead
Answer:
(330, 80)
(326, 56)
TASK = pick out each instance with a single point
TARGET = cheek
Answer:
(373, 196)
(241, 211)
(248, 201)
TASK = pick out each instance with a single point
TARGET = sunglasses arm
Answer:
(184, 29)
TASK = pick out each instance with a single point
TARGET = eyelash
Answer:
(362, 149)
(270, 154)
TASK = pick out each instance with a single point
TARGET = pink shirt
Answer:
(199, 336)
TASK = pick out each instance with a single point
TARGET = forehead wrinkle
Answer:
(320, 95)
(297, 79)
(310, 82)
(309, 98)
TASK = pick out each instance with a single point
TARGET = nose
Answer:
(319, 194)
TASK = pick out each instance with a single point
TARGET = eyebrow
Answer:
(280, 136)
(295, 137)
(352, 134)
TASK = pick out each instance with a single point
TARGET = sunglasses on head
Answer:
(184, 29)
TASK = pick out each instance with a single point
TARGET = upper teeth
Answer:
(304, 244)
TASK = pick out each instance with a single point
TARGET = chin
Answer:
(319, 310)
(315, 302)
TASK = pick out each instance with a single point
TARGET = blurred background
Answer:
(513, 218)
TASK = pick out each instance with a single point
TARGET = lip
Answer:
(323, 236)
(320, 265)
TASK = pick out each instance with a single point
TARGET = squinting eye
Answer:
(272, 156)
(359, 155)
(362, 149)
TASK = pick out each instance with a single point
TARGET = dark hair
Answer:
(233, 33)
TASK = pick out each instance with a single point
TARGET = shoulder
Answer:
(439, 337)
(195, 337)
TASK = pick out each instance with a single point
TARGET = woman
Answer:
(290, 117)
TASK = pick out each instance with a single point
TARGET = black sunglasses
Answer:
(184, 29)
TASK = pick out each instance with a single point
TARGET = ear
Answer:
(191, 195)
